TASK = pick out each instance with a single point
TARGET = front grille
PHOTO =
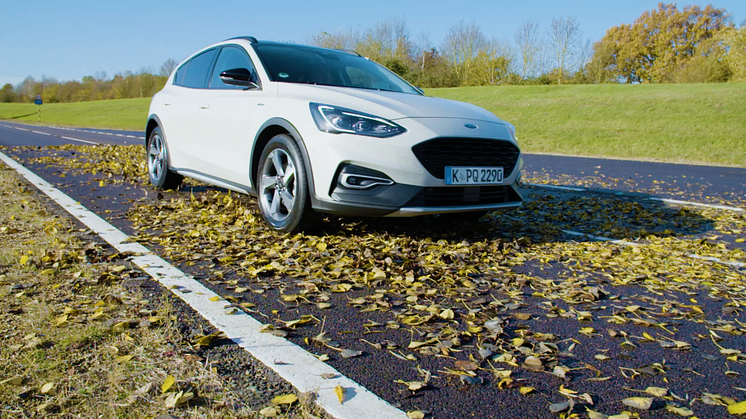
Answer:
(436, 154)
(463, 196)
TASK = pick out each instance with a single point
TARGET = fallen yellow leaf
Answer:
(285, 399)
(167, 383)
(737, 408)
(340, 392)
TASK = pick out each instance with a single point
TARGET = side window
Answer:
(196, 74)
(230, 58)
(180, 73)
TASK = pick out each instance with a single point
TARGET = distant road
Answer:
(666, 180)
(14, 134)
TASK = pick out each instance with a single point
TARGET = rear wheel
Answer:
(283, 194)
(159, 171)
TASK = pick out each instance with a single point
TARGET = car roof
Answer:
(253, 40)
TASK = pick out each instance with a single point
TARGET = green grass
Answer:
(129, 114)
(696, 123)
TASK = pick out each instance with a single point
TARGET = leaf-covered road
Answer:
(505, 317)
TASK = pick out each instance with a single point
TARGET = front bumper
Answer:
(399, 200)
(402, 185)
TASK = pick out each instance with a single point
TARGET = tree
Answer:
(387, 43)
(168, 67)
(434, 71)
(661, 42)
(597, 70)
(461, 46)
(734, 41)
(492, 64)
(7, 95)
(564, 39)
(27, 89)
(529, 44)
(347, 38)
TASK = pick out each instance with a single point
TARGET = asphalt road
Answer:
(14, 134)
(709, 184)
(448, 395)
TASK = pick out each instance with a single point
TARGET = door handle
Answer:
(205, 106)
(167, 103)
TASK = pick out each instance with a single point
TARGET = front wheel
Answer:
(159, 172)
(283, 186)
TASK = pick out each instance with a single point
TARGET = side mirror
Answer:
(239, 77)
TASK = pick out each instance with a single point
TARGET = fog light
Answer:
(363, 181)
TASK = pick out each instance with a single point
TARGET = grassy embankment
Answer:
(696, 123)
(129, 114)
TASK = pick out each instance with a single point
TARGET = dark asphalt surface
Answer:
(13, 134)
(706, 184)
(447, 396)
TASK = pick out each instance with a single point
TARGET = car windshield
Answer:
(310, 65)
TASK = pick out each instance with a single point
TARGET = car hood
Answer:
(389, 105)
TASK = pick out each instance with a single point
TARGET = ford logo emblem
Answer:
(470, 126)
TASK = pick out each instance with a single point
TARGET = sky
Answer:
(68, 40)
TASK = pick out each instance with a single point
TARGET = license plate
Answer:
(460, 175)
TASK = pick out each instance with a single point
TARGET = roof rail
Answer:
(248, 38)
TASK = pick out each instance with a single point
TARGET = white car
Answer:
(305, 128)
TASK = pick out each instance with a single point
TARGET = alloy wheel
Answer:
(278, 185)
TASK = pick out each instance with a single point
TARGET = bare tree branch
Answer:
(529, 45)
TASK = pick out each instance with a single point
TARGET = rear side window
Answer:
(229, 59)
(197, 69)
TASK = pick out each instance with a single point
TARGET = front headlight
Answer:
(340, 120)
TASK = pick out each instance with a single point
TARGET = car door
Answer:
(185, 105)
(229, 115)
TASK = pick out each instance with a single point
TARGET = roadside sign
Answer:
(37, 101)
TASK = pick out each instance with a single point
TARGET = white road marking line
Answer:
(600, 238)
(562, 188)
(118, 135)
(696, 204)
(621, 193)
(130, 136)
(628, 243)
(20, 129)
(82, 141)
(300, 368)
(42, 133)
(713, 259)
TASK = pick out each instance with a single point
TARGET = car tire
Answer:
(159, 170)
(283, 194)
